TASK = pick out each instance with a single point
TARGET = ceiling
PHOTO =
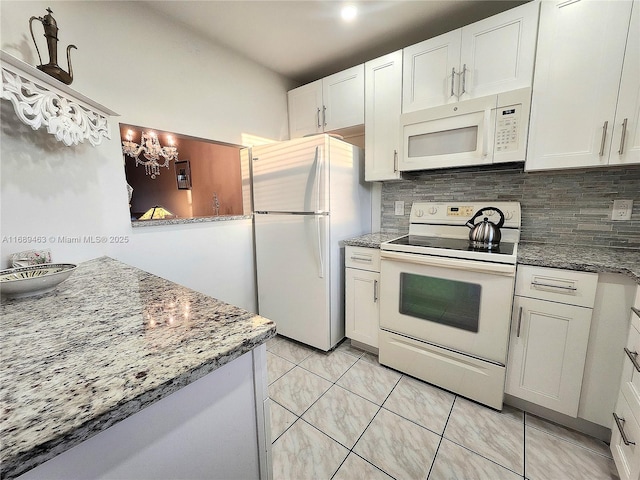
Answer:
(306, 40)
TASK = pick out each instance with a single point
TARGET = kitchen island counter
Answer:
(106, 343)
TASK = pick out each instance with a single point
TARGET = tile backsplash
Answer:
(563, 207)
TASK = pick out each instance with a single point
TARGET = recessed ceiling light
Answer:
(349, 12)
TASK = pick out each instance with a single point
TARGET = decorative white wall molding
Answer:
(40, 100)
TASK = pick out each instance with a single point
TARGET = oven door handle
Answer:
(468, 265)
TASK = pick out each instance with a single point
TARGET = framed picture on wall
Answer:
(183, 175)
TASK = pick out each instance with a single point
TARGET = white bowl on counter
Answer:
(33, 280)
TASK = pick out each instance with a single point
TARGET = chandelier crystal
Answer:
(151, 150)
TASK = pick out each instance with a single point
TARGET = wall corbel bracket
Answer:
(40, 100)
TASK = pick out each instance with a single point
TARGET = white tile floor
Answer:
(341, 415)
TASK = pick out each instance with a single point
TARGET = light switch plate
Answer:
(399, 207)
(622, 210)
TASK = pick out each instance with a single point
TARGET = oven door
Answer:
(461, 305)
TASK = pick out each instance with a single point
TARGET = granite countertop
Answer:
(370, 240)
(109, 341)
(582, 258)
(625, 261)
(187, 221)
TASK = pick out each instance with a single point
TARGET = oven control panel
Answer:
(466, 211)
(435, 213)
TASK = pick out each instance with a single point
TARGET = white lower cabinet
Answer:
(548, 340)
(362, 287)
(625, 429)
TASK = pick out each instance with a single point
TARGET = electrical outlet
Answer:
(622, 210)
(399, 207)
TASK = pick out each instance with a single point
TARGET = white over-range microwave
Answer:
(479, 131)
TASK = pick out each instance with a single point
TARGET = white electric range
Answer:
(445, 306)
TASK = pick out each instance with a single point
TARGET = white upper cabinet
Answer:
(487, 57)
(305, 110)
(626, 130)
(429, 72)
(329, 104)
(383, 102)
(579, 66)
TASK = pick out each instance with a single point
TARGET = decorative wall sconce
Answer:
(151, 150)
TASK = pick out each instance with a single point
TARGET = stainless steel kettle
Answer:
(485, 234)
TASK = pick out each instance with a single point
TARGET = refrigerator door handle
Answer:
(318, 161)
(318, 231)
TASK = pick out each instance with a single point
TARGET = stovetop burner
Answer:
(460, 244)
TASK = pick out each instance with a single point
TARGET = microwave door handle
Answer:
(485, 132)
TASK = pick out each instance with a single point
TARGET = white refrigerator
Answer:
(308, 194)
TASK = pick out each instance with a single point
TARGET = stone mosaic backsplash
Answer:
(570, 207)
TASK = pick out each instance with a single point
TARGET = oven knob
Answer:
(488, 213)
(508, 215)
(433, 210)
(419, 213)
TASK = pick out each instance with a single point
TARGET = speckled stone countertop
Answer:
(109, 341)
(571, 257)
(583, 258)
(186, 221)
(370, 240)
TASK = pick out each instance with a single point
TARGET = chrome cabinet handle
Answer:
(453, 75)
(519, 323)
(395, 161)
(319, 118)
(536, 284)
(324, 115)
(633, 356)
(375, 291)
(361, 259)
(464, 79)
(622, 136)
(604, 136)
(620, 424)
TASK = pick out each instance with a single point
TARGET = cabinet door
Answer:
(343, 97)
(626, 149)
(497, 53)
(427, 79)
(577, 74)
(625, 450)
(362, 310)
(383, 103)
(547, 352)
(305, 109)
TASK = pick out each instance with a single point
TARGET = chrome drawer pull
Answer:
(622, 136)
(620, 424)
(633, 356)
(361, 259)
(636, 311)
(604, 136)
(536, 284)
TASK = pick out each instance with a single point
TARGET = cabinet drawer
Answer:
(626, 455)
(556, 285)
(631, 371)
(363, 258)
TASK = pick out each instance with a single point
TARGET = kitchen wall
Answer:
(153, 72)
(565, 206)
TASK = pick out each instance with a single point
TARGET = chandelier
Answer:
(151, 150)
